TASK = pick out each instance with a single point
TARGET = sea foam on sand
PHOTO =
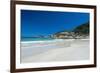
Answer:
(55, 50)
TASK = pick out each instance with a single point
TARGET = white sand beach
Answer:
(58, 50)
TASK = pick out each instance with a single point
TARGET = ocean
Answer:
(35, 39)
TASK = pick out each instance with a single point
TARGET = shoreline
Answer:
(52, 40)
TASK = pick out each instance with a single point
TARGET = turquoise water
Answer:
(35, 39)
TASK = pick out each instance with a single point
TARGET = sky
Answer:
(34, 23)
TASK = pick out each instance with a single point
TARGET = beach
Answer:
(56, 50)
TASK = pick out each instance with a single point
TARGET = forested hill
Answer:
(82, 29)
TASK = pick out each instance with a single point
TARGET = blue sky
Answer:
(34, 23)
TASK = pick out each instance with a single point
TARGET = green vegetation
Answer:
(82, 29)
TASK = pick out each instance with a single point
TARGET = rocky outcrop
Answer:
(63, 35)
(79, 32)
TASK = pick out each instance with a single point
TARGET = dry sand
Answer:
(65, 50)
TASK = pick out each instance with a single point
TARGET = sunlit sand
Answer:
(57, 50)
